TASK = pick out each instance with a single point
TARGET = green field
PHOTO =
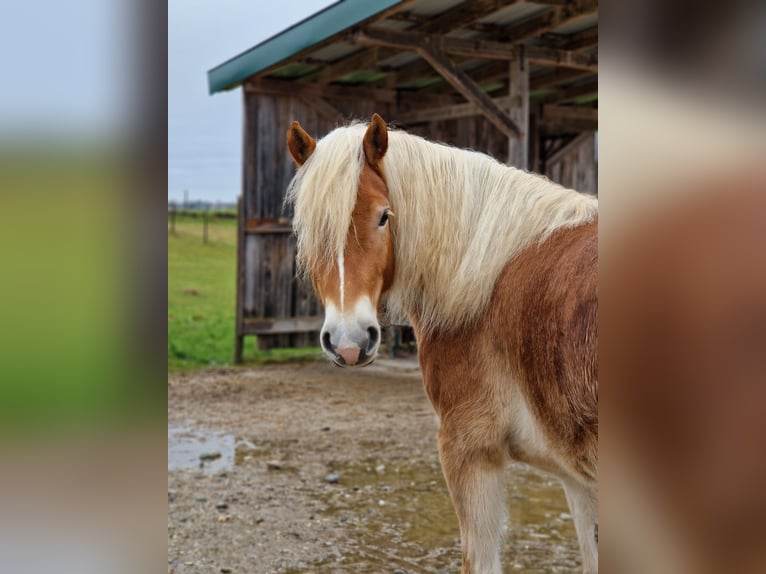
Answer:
(201, 299)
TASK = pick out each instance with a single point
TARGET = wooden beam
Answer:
(342, 92)
(565, 149)
(562, 58)
(577, 41)
(555, 77)
(450, 112)
(359, 60)
(324, 108)
(288, 88)
(471, 91)
(518, 148)
(572, 93)
(483, 49)
(553, 112)
(558, 119)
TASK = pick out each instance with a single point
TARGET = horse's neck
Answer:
(456, 230)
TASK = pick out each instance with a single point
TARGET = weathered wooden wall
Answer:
(575, 165)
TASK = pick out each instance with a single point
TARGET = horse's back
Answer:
(544, 308)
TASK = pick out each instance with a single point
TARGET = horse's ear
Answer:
(300, 144)
(376, 141)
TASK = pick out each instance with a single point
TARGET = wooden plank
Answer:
(448, 112)
(360, 60)
(559, 154)
(573, 92)
(463, 83)
(324, 108)
(553, 113)
(471, 48)
(282, 325)
(287, 88)
(239, 282)
(519, 92)
(578, 41)
(562, 58)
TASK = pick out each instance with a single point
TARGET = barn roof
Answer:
(358, 42)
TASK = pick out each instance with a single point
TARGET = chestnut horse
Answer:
(496, 269)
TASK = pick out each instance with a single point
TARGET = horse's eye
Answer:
(383, 219)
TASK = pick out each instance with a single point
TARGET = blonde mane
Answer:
(460, 216)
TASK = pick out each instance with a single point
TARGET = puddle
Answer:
(401, 516)
(190, 448)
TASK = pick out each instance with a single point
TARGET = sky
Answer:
(205, 132)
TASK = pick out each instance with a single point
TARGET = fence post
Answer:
(204, 226)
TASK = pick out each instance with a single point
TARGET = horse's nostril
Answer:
(374, 336)
(326, 341)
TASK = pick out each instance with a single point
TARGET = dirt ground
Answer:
(312, 468)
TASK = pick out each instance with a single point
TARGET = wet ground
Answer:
(311, 468)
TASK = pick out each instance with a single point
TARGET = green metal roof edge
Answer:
(312, 30)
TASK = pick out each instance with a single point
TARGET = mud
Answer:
(250, 459)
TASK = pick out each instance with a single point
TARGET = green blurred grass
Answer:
(201, 299)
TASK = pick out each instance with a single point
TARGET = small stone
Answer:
(380, 468)
(381, 502)
(210, 456)
(225, 570)
(224, 518)
(274, 465)
(399, 571)
(222, 506)
(325, 428)
(332, 478)
(259, 520)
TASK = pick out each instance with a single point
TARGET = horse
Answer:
(496, 269)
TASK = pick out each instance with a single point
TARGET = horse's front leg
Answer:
(473, 469)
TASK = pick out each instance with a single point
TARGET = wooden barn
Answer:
(517, 80)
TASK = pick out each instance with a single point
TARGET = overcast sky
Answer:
(204, 132)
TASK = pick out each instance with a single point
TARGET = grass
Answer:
(201, 300)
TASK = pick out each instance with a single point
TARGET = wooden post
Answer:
(240, 277)
(204, 226)
(518, 151)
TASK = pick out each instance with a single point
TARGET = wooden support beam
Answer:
(588, 88)
(518, 147)
(324, 108)
(359, 60)
(565, 149)
(555, 77)
(463, 83)
(577, 41)
(483, 49)
(446, 68)
(287, 88)
(562, 58)
(560, 119)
